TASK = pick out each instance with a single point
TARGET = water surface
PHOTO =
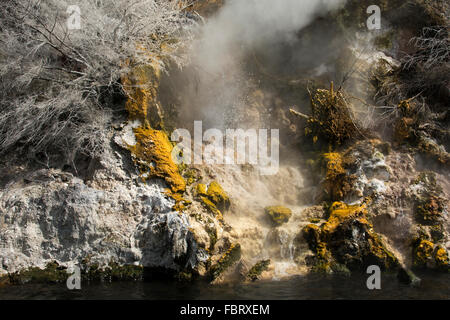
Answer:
(433, 286)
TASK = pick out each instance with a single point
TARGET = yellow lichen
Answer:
(153, 151)
(340, 212)
(213, 198)
(334, 165)
(217, 195)
(141, 86)
(212, 208)
(337, 184)
(423, 252)
(200, 190)
(441, 258)
(329, 240)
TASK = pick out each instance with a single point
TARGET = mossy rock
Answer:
(227, 260)
(278, 214)
(337, 183)
(213, 198)
(441, 259)
(422, 253)
(218, 196)
(430, 210)
(200, 190)
(255, 271)
(52, 273)
(347, 241)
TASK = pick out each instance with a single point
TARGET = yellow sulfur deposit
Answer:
(278, 214)
(153, 149)
(330, 243)
(152, 152)
(213, 198)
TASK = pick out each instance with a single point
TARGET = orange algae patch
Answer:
(142, 86)
(154, 153)
(337, 183)
(334, 165)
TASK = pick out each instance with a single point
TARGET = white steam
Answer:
(243, 25)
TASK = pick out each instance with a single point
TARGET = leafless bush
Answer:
(52, 78)
(423, 73)
(433, 48)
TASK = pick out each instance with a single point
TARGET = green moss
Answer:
(52, 273)
(278, 214)
(227, 260)
(255, 271)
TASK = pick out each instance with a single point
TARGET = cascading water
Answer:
(248, 69)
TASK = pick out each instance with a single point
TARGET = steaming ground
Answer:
(223, 92)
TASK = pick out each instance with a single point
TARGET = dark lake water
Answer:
(433, 286)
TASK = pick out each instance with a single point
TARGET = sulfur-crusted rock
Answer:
(218, 196)
(213, 198)
(278, 214)
(347, 239)
(255, 271)
(228, 259)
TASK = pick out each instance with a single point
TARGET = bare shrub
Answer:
(52, 79)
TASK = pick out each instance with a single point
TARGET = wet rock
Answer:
(227, 260)
(255, 271)
(347, 238)
(278, 214)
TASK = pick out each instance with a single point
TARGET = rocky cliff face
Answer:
(50, 215)
(348, 194)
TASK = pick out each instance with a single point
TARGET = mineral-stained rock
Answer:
(112, 217)
(218, 196)
(347, 239)
(213, 198)
(278, 214)
(257, 269)
(228, 259)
